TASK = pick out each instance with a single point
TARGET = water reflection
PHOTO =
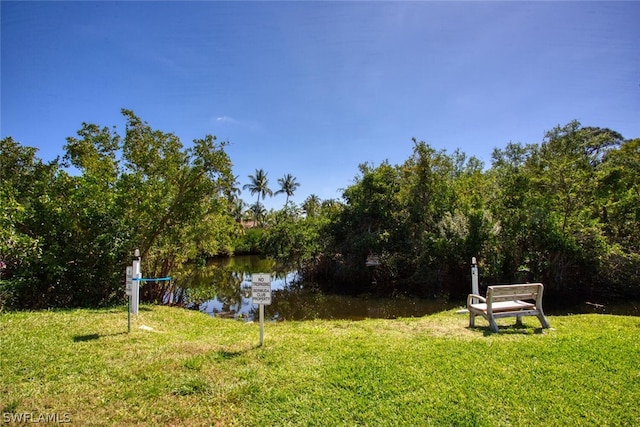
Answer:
(223, 289)
(295, 303)
(223, 286)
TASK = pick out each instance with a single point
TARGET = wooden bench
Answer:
(507, 301)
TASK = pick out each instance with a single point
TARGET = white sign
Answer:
(261, 288)
(129, 285)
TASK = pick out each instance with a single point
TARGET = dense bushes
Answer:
(65, 239)
(565, 212)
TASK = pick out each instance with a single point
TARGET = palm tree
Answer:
(234, 189)
(288, 185)
(237, 208)
(259, 184)
(259, 212)
(311, 205)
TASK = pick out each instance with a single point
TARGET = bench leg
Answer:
(492, 324)
(518, 320)
(543, 320)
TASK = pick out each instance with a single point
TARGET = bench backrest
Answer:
(528, 291)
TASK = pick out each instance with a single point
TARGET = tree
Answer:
(67, 223)
(618, 196)
(238, 207)
(371, 222)
(311, 205)
(618, 192)
(259, 184)
(293, 239)
(428, 193)
(24, 183)
(174, 197)
(512, 202)
(233, 191)
(564, 179)
(143, 190)
(288, 186)
(259, 213)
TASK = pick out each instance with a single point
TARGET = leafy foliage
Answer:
(142, 191)
(565, 212)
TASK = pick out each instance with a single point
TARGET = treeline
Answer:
(565, 212)
(66, 239)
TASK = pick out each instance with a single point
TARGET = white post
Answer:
(261, 324)
(135, 294)
(474, 279)
(128, 291)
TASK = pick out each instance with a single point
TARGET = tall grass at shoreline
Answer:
(186, 368)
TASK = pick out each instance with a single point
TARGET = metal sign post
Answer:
(261, 294)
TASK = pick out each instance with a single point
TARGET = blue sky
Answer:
(316, 88)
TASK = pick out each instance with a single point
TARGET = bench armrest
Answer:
(472, 296)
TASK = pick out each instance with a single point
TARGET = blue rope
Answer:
(147, 279)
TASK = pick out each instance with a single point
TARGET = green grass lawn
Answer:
(191, 369)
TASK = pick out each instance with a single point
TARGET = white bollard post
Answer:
(129, 291)
(474, 279)
(137, 274)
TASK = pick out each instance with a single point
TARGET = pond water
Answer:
(223, 289)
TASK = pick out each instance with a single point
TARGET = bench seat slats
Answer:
(504, 306)
(518, 296)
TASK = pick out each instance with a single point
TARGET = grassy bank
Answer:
(191, 369)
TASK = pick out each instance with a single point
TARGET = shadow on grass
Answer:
(232, 354)
(229, 354)
(508, 330)
(92, 337)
